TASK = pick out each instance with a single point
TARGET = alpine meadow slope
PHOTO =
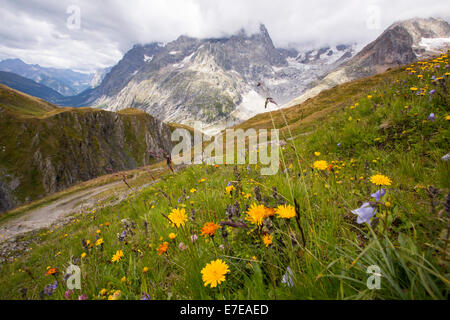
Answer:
(366, 187)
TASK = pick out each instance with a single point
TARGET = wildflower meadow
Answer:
(364, 187)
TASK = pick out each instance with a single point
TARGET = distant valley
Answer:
(64, 81)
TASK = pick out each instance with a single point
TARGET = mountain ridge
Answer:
(29, 86)
(53, 148)
(401, 43)
(208, 80)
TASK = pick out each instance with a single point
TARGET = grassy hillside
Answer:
(386, 133)
(45, 149)
(304, 117)
(22, 104)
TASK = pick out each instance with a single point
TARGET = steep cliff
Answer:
(45, 149)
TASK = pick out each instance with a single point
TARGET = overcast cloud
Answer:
(36, 30)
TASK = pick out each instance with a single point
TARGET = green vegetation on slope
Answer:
(45, 149)
(394, 133)
(308, 115)
(22, 104)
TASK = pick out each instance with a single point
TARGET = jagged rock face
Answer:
(402, 43)
(209, 80)
(52, 153)
(133, 61)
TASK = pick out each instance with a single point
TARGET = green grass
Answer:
(327, 251)
(44, 148)
(22, 104)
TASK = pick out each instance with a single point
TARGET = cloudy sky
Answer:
(86, 35)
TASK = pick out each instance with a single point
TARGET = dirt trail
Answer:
(54, 212)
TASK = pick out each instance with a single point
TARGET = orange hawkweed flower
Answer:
(209, 229)
(51, 271)
(163, 248)
(270, 212)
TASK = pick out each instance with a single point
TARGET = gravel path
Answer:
(52, 213)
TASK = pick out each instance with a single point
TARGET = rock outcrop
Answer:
(402, 43)
(48, 152)
(213, 81)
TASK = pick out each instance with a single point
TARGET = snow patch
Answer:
(187, 58)
(276, 69)
(147, 58)
(251, 105)
(431, 44)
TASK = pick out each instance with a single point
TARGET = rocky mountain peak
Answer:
(402, 43)
(264, 34)
(419, 28)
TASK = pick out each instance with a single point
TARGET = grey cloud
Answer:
(36, 30)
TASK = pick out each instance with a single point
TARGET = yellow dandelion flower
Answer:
(321, 165)
(115, 296)
(99, 242)
(214, 273)
(256, 214)
(229, 189)
(317, 154)
(145, 270)
(178, 217)
(268, 239)
(124, 279)
(103, 292)
(193, 190)
(83, 255)
(380, 180)
(285, 211)
(172, 236)
(118, 256)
